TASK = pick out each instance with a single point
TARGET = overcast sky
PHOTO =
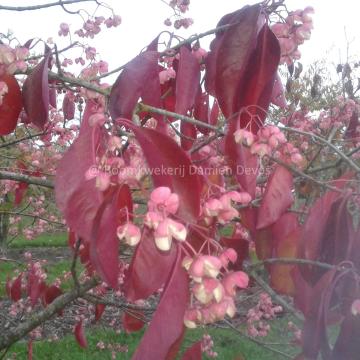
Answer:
(142, 20)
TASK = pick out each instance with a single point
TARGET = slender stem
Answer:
(26, 179)
(43, 6)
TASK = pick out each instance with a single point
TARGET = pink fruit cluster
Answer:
(213, 287)
(258, 316)
(292, 33)
(12, 60)
(221, 210)
(207, 345)
(269, 141)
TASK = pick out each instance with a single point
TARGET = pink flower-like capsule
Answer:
(163, 200)
(153, 219)
(244, 137)
(225, 307)
(208, 290)
(355, 307)
(191, 317)
(166, 75)
(205, 265)
(228, 255)
(166, 230)
(130, 232)
(212, 207)
(233, 280)
(64, 29)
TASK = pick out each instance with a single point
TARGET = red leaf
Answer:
(36, 94)
(194, 352)
(237, 45)
(187, 81)
(68, 108)
(15, 290)
(167, 323)
(20, 191)
(35, 286)
(140, 77)
(52, 94)
(76, 197)
(99, 310)
(277, 198)
(80, 334)
(286, 234)
(11, 105)
(161, 152)
(277, 95)
(214, 114)
(188, 132)
(104, 248)
(201, 111)
(254, 92)
(125, 204)
(30, 350)
(316, 222)
(133, 323)
(149, 260)
(241, 246)
(50, 294)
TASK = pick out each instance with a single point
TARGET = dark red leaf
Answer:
(214, 114)
(15, 290)
(233, 55)
(347, 346)
(149, 260)
(11, 105)
(20, 192)
(241, 246)
(277, 197)
(194, 352)
(80, 334)
(255, 89)
(201, 111)
(286, 234)
(52, 95)
(188, 132)
(277, 95)
(125, 204)
(99, 310)
(35, 286)
(50, 294)
(104, 248)
(139, 78)
(187, 81)
(133, 323)
(68, 108)
(167, 323)
(30, 350)
(36, 94)
(162, 152)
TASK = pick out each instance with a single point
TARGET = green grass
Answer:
(228, 344)
(43, 240)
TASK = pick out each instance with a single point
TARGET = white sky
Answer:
(142, 21)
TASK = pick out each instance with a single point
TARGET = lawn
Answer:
(228, 343)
